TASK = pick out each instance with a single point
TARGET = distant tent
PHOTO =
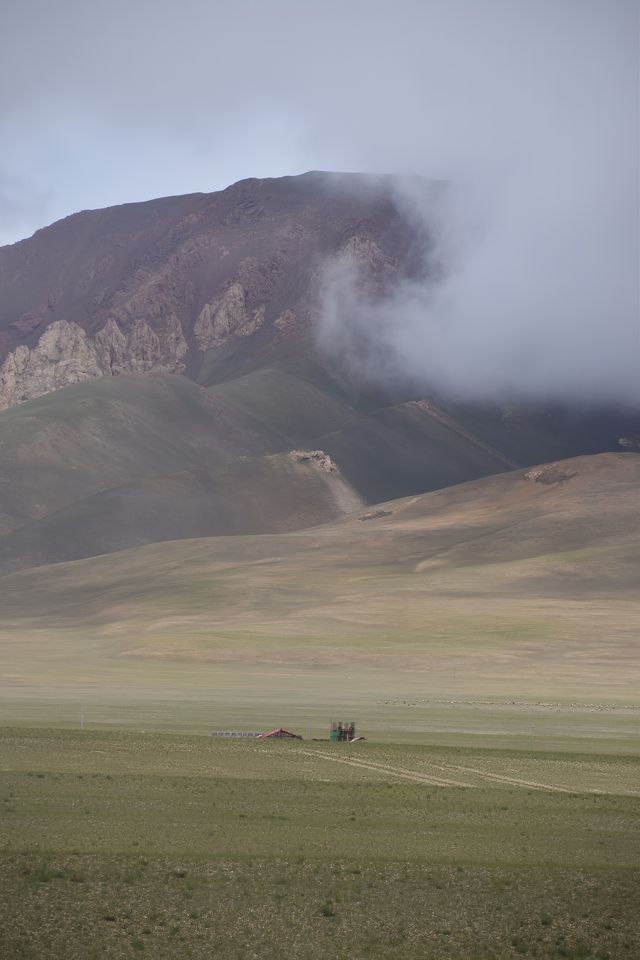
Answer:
(279, 734)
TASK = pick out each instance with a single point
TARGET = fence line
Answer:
(233, 733)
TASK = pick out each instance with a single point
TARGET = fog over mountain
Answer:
(528, 110)
(529, 291)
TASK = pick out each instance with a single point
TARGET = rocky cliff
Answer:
(65, 354)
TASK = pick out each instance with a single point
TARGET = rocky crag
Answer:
(66, 354)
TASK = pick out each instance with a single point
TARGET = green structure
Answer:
(342, 732)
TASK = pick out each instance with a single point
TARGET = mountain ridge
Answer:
(153, 286)
(159, 364)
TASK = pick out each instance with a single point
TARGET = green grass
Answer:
(119, 843)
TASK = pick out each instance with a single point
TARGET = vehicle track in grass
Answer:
(529, 784)
(515, 782)
(389, 770)
(438, 781)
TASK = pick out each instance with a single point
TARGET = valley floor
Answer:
(120, 844)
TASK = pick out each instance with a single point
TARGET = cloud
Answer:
(529, 289)
(531, 256)
(196, 96)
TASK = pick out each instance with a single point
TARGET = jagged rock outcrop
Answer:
(286, 320)
(227, 316)
(62, 355)
(373, 266)
(66, 354)
(142, 349)
(317, 457)
(375, 514)
(549, 473)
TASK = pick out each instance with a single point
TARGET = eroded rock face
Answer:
(317, 457)
(375, 514)
(549, 473)
(62, 355)
(373, 266)
(286, 320)
(227, 316)
(66, 354)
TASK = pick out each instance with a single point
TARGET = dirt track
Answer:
(442, 781)
(389, 770)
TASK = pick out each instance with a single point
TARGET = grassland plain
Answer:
(483, 608)
(119, 845)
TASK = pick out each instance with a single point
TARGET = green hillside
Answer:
(102, 433)
(114, 463)
(246, 495)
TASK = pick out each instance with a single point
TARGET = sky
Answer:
(531, 106)
(103, 103)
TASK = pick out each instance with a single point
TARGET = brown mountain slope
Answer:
(223, 288)
(156, 285)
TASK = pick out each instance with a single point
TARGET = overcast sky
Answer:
(119, 100)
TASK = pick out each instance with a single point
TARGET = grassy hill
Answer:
(111, 463)
(519, 585)
(118, 462)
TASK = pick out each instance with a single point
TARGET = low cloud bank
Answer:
(529, 289)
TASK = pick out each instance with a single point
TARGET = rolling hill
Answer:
(117, 462)
(523, 583)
